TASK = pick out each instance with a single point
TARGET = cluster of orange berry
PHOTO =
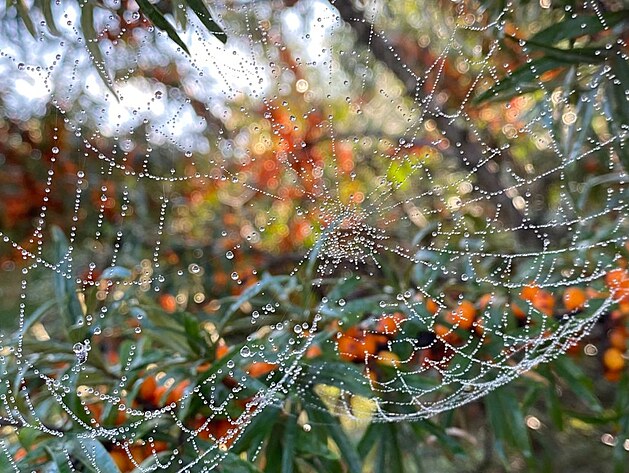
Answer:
(617, 282)
(371, 346)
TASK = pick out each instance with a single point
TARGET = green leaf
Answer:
(157, 18)
(621, 404)
(37, 314)
(288, 444)
(619, 95)
(94, 456)
(60, 460)
(445, 440)
(395, 454)
(581, 25)
(347, 449)
(231, 463)
(259, 428)
(369, 439)
(578, 382)
(507, 421)
(522, 80)
(572, 55)
(193, 333)
(204, 15)
(91, 43)
(65, 289)
(252, 291)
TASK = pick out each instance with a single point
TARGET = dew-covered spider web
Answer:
(312, 198)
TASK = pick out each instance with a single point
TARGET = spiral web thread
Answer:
(362, 231)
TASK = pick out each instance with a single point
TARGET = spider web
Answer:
(374, 180)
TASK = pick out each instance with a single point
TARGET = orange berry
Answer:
(479, 326)
(158, 394)
(19, 454)
(156, 447)
(177, 392)
(349, 348)
(529, 292)
(518, 313)
(592, 293)
(613, 360)
(168, 302)
(138, 453)
(613, 376)
(441, 330)
(121, 459)
(432, 306)
(112, 357)
(574, 298)
(147, 388)
(446, 334)
(371, 342)
(260, 368)
(389, 324)
(484, 301)
(203, 367)
(618, 339)
(221, 350)
(616, 278)
(617, 281)
(387, 358)
(314, 351)
(463, 316)
(373, 377)
(544, 302)
(96, 410)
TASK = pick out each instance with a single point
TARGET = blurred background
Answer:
(184, 186)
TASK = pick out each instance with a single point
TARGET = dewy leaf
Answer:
(60, 459)
(204, 15)
(288, 445)
(158, 19)
(581, 25)
(65, 290)
(522, 80)
(94, 456)
(572, 55)
(91, 43)
(321, 415)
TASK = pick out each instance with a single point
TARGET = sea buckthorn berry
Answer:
(484, 301)
(618, 339)
(544, 302)
(177, 392)
(314, 351)
(387, 358)
(147, 388)
(432, 306)
(529, 292)
(221, 350)
(574, 298)
(260, 368)
(617, 281)
(389, 324)
(463, 316)
(613, 359)
(518, 313)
